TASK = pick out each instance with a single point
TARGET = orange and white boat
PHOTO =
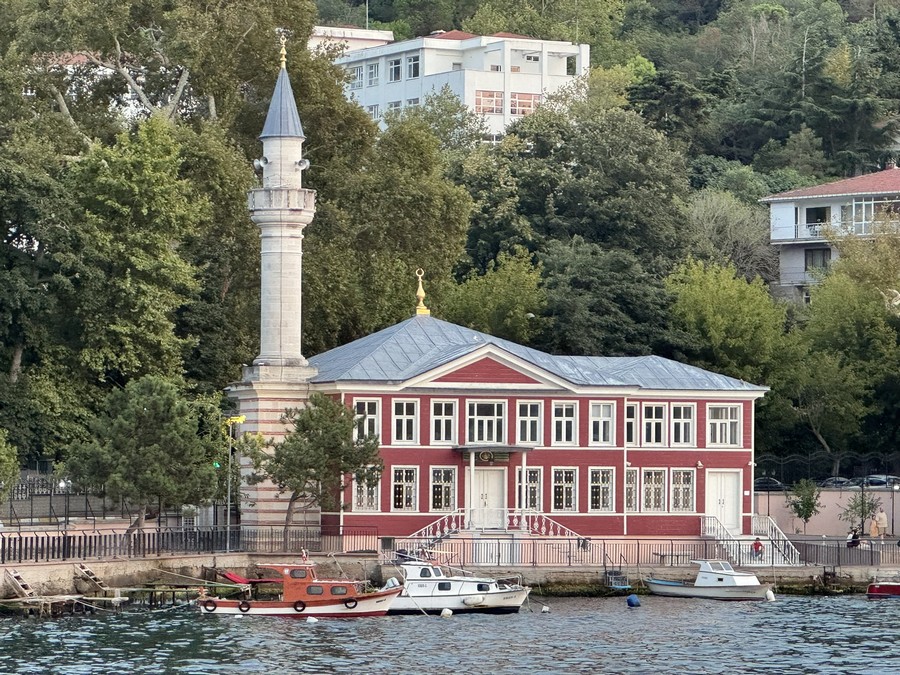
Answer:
(303, 595)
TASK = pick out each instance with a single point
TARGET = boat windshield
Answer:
(720, 566)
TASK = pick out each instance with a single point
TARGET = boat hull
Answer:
(373, 604)
(883, 590)
(678, 589)
(505, 602)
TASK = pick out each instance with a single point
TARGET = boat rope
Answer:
(204, 582)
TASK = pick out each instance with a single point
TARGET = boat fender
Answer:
(311, 619)
(210, 605)
(473, 600)
(391, 583)
(446, 613)
(244, 606)
(770, 596)
(633, 600)
(299, 606)
(350, 603)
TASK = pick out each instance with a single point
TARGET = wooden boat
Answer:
(716, 580)
(878, 590)
(427, 588)
(304, 595)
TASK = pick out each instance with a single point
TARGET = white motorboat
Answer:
(716, 580)
(426, 588)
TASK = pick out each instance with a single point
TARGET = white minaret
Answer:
(282, 208)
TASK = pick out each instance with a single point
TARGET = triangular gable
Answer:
(487, 371)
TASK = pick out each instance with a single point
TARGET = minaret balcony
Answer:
(263, 199)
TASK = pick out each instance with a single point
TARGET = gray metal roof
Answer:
(422, 343)
(282, 120)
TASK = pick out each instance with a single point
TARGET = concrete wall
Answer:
(827, 522)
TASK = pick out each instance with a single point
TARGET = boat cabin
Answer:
(721, 573)
(300, 583)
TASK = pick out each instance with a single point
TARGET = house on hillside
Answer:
(802, 220)
(501, 77)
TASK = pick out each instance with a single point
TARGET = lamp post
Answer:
(231, 421)
(894, 489)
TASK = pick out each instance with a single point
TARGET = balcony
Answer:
(821, 232)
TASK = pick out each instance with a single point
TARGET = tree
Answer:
(804, 500)
(9, 466)
(149, 445)
(319, 457)
(860, 508)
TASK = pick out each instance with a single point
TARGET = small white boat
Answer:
(716, 580)
(426, 588)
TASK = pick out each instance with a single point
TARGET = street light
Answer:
(231, 421)
(894, 488)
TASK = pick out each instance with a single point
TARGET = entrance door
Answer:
(489, 499)
(723, 498)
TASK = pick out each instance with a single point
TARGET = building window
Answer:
(529, 423)
(412, 66)
(532, 489)
(366, 496)
(374, 111)
(372, 75)
(394, 105)
(817, 258)
(723, 425)
(394, 70)
(405, 483)
(602, 424)
(405, 421)
(488, 102)
(564, 424)
(523, 104)
(356, 77)
(485, 422)
(631, 425)
(412, 101)
(602, 490)
(533, 58)
(496, 68)
(443, 489)
(443, 422)
(654, 490)
(682, 425)
(366, 419)
(654, 424)
(631, 489)
(683, 490)
(564, 490)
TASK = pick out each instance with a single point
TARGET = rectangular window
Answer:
(724, 425)
(631, 489)
(443, 422)
(602, 424)
(602, 490)
(533, 58)
(366, 419)
(372, 75)
(374, 111)
(405, 493)
(817, 258)
(412, 66)
(496, 68)
(564, 490)
(394, 105)
(366, 496)
(412, 101)
(529, 423)
(405, 421)
(486, 422)
(523, 104)
(356, 77)
(682, 425)
(654, 424)
(532, 489)
(683, 490)
(564, 424)
(488, 102)
(443, 489)
(394, 70)
(631, 425)
(654, 490)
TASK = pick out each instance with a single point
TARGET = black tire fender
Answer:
(350, 603)
(210, 605)
(244, 606)
(299, 606)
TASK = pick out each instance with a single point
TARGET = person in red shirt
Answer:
(756, 548)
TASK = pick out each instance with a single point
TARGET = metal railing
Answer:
(781, 547)
(494, 520)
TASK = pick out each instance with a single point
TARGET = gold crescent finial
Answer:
(420, 295)
(283, 41)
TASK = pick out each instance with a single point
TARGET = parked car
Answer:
(835, 482)
(767, 484)
(874, 481)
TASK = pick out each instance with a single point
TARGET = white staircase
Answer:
(777, 549)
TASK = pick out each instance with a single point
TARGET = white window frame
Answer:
(494, 421)
(656, 502)
(367, 420)
(448, 488)
(602, 428)
(374, 111)
(569, 489)
(447, 436)
(372, 74)
(529, 423)
(366, 497)
(602, 480)
(683, 429)
(729, 426)
(683, 493)
(356, 77)
(534, 488)
(411, 102)
(410, 489)
(394, 105)
(409, 421)
(565, 423)
(413, 67)
(654, 428)
(632, 491)
(395, 70)
(632, 426)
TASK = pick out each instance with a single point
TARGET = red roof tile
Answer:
(877, 183)
(511, 35)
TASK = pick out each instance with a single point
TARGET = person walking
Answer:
(881, 522)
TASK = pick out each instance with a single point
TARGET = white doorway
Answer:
(488, 499)
(723, 498)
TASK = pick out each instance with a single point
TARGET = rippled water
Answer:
(578, 635)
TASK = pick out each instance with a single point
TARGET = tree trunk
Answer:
(289, 519)
(15, 367)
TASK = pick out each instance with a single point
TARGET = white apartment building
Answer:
(348, 37)
(502, 77)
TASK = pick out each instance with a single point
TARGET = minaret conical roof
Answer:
(282, 119)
